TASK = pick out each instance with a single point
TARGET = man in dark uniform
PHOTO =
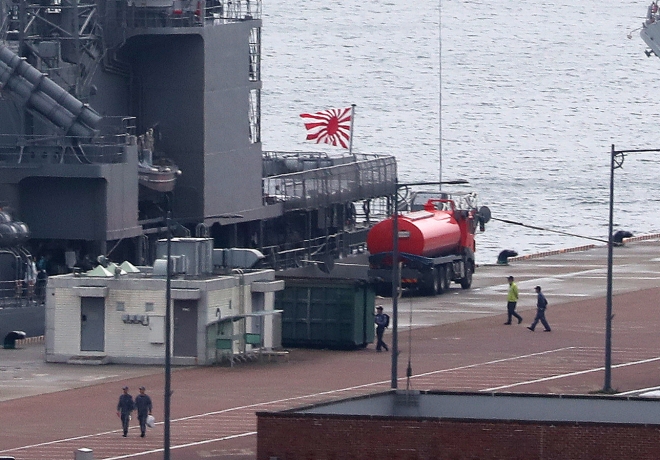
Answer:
(124, 408)
(143, 407)
(382, 321)
(541, 305)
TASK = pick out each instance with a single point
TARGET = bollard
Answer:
(84, 454)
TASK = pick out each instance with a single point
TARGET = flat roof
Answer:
(495, 406)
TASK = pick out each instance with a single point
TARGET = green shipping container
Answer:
(326, 313)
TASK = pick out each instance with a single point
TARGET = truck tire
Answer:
(431, 282)
(441, 272)
(446, 277)
(466, 281)
(383, 289)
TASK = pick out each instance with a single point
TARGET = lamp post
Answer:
(396, 272)
(168, 334)
(168, 327)
(616, 162)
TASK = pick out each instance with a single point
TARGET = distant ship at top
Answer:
(650, 32)
(115, 112)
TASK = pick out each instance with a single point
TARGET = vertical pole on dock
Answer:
(616, 162)
(168, 334)
(396, 275)
(607, 387)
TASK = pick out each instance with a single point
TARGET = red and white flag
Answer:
(332, 126)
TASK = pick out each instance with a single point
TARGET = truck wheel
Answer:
(466, 281)
(441, 274)
(383, 289)
(432, 282)
(446, 277)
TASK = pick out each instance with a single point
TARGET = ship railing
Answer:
(363, 179)
(13, 294)
(178, 13)
(316, 250)
(38, 149)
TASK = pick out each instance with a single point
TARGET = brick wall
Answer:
(314, 437)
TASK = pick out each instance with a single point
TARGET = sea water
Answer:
(534, 95)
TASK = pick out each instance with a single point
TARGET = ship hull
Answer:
(185, 86)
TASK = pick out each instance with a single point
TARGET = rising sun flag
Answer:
(332, 126)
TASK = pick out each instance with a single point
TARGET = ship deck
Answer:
(454, 342)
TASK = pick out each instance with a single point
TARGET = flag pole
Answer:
(350, 141)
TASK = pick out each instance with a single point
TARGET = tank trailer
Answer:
(436, 245)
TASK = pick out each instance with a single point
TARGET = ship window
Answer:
(255, 54)
(254, 116)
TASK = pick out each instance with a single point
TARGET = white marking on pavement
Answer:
(496, 361)
(641, 390)
(181, 446)
(570, 374)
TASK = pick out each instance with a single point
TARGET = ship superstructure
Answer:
(115, 112)
(650, 30)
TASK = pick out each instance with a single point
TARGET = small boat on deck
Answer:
(158, 177)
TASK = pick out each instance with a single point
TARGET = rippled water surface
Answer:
(534, 94)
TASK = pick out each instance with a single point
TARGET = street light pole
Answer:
(168, 325)
(396, 276)
(607, 387)
(616, 162)
(168, 333)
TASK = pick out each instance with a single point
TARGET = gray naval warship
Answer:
(117, 114)
(650, 30)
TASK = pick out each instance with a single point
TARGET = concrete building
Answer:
(117, 313)
(445, 425)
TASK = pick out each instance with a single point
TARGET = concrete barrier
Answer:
(28, 340)
(84, 454)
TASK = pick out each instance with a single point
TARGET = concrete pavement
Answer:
(565, 277)
(456, 342)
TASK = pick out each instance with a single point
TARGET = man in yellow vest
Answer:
(512, 301)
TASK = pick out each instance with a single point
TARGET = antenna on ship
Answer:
(440, 93)
(350, 140)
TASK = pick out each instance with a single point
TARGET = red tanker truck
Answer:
(436, 245)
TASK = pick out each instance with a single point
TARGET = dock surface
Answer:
(455, 341)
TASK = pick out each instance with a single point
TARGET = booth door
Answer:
(92, 323)
(185, 328)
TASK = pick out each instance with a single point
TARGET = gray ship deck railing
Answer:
(172, 13)
(315, 250)
(359, 180)
(13, 294)
(21, 149)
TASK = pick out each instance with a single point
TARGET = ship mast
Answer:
(440, 92)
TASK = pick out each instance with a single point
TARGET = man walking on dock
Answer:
(124, 408)
(541, 304)
(143, 407)
(512, 301)
(382, 321)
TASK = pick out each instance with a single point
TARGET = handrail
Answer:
(370, 178)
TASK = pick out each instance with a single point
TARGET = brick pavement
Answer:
(213, 407)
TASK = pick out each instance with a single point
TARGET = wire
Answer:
(549, 230)
(631, 32)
